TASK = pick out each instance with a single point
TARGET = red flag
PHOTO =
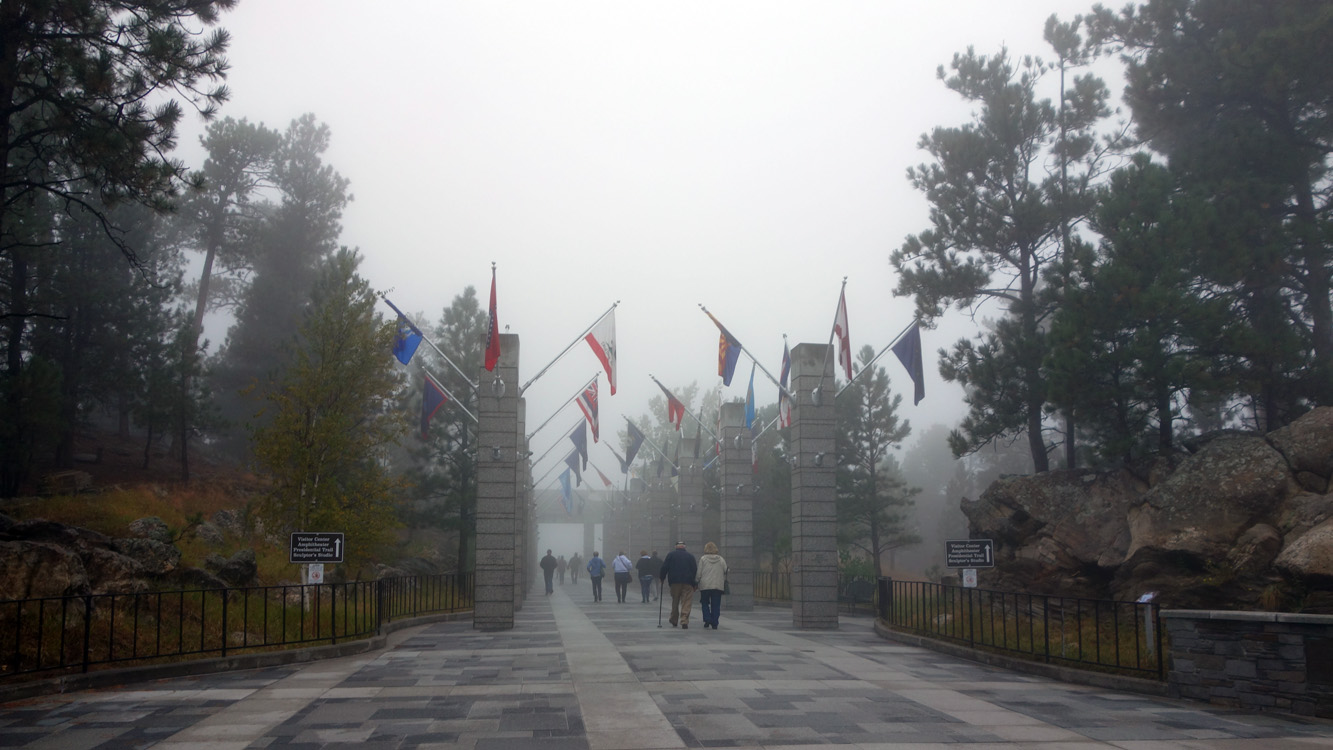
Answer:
(844, 339)
(587, 401)
(493, 333)
(605, 481)
(675, 409)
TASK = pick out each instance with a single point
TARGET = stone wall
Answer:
(1259, 661)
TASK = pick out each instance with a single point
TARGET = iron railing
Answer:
(77, 633)
(1119, 636)
(855, 594)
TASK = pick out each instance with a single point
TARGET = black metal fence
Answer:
(76, 633)
(1117, 636)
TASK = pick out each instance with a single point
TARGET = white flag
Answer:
(844, 339)
(602, 339)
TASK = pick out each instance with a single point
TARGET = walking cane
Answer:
(659, 603)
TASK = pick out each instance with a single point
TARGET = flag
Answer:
(844, 339)
(661, 461)
(564, 493)
(587, 401)
(579, 437)
(749, 402)
(407, 340)
(572, 460)
(784, 398)
(675, 409)
(728, 351)
(432, 398)
(602, 339)
(624, 467)
(493, 332)
(605, 481)
(698, 436)
(908, 350)
(636, 439)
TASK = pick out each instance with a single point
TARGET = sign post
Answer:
(969, 553)
(316, 547)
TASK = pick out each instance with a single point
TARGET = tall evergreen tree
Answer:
(1236, 95)
(331, 425)
(874, 501)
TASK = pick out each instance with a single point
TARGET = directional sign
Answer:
(317, 547)
(969, 553)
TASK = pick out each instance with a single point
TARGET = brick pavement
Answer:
(584, 676)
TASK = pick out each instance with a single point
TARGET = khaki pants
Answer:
(682, 601)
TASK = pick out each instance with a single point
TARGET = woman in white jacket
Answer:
(711, 580)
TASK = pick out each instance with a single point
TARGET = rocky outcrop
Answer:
(1240, 519)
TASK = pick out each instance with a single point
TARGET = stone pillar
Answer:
(497, 495)
(589, 538)
(814, 576)
(524, 529)
(690, 504)
(737, 540)
(661, 509)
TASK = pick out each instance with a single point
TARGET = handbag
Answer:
(726, 584)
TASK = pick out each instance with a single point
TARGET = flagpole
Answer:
(700, 422)
(766, 429)
(561, 407)
(553, 445)
(752, 359)
(446, 392)
(432, 345)
(828, 351)
(572, 344)
(872, 362)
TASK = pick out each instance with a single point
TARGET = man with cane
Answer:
(679, 570)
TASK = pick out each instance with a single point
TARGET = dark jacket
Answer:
(548, 564)
(645, 566)
(679, 567)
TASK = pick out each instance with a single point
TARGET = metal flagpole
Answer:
(828, 351)
(419, 332)
(572, 344)
(872, 362)
(446, 392)
(561, 407)
(683, 406)
(759, 364)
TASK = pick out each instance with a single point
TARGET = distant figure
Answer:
(622, 567)
(596, 569)
(679, 571)
(575, 565)
(711, 581)
(560, 566)
(549, 564)
(646, 570)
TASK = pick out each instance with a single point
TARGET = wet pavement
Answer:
(574, 674)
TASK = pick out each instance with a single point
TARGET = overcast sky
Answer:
(746, 156)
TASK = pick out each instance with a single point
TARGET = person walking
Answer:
(657, 565)
(596, 569)
(575, 565)
(711, 580)
(679, 570)
(548, 564)
(646, 570)
(560, 566)
(622, 567)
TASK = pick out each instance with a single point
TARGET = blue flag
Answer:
(432, 398)
(728, 351)
(407, 340)
(635, 442)
(908, 350)
(564, 493)
(579, 437)
(573, 461)
(749, 402)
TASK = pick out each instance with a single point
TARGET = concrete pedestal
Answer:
(497, 493)
(737, 543)
(814, 577)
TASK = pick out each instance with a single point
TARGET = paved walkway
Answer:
(578, 675)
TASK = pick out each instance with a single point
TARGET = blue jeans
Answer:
(711, 602)
(647, 583)
(597, 588)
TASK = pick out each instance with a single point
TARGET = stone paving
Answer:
(600, 676)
